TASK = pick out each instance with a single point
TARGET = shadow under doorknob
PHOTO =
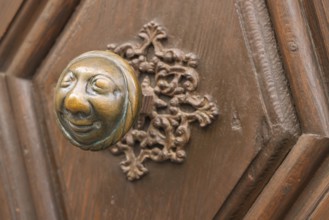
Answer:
(97, 99)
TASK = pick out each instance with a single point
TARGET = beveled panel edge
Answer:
(12, 168)
(41, 171)
(318, 28)
(33, 183)
(309, 95)
(10, 9)
(290, 178)
(314, 196)
(301, 65)
(38, 22)
(280, 129)
(309, 91)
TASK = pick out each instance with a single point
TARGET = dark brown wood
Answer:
(313, 203)
(281, 120)
(8, 10)
(322, 210)
(301, 65)
(31, 192)
(317, 17)
(47, 203)
(290, 178)
(309, 90)
(313, 198)
(5, 208)
(31, 35)
(246, 164)
(13, 174)
(256, 130)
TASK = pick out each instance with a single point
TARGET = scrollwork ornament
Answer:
(169, 81)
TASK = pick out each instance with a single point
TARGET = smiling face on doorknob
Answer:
(97, 99)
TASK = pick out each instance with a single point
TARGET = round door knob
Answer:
(97, 99)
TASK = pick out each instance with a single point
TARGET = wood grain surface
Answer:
(277, 103)
(317, 19)
(32, 34)
(246, 164)
(255, 114)
(305, 62)
(312, 201)
(288, 181)
(15, 188)
(41, 174)
(29, 182)
(93, 185)
(301, 65)
(8, 10)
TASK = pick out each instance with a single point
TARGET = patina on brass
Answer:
(97, 99)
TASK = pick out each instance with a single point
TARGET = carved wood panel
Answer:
(259, 159)
(29, 187)
(257, 121)
(8, 10)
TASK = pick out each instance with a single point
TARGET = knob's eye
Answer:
(68, 80)
(102, 85)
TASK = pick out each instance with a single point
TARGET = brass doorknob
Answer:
(97, 99)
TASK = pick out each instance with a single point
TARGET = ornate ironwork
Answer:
(169, 82)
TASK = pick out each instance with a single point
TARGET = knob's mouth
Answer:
(80, 127)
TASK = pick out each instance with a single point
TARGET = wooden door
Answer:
(264, 156)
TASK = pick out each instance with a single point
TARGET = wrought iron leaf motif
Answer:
(169, 81)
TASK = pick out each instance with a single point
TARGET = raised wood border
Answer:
(305, 76)
(32, 34)
(301, 64)
(317, 16)
(38, 162)
(8, 11)
(291, 177)
(13, 173)
(309, 96)
(277, 104)
(31, 188)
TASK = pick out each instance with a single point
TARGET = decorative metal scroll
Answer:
(169, 82)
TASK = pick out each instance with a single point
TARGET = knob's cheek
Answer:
(60, 95)
(110, 110)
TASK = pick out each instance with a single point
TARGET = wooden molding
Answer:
(41, 174)
(8, 10)
(309, 92)
(281, 121)
(313, 200)
(32, 182)
(18, 198)
(301, 65)
(268, 68)
(287, 51)
(317, 17)
(291, 177)
(32, 34)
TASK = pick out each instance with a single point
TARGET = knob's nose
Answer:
(75, 103)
